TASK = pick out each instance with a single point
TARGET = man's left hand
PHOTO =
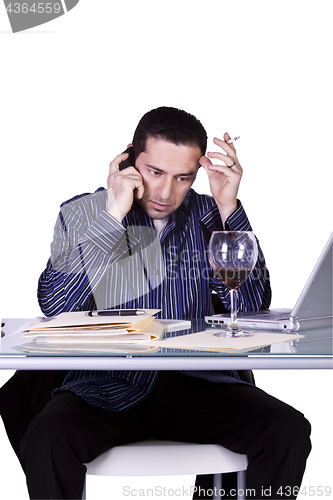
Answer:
(224, 181)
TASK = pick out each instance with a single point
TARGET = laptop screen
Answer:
(316, 297)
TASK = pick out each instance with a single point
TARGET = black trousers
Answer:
(68, 432)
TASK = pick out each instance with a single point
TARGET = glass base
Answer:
(233, 330)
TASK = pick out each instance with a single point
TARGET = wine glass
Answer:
(233, 255)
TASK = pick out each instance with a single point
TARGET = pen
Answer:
(232, 140)
(117, 312)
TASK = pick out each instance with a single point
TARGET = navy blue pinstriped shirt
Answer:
(98, 263)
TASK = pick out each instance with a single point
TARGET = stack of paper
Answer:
(208, 341)
(71, 327)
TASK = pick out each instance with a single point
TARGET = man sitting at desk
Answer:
(105, 254)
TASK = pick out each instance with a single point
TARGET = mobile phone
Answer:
(130, 162)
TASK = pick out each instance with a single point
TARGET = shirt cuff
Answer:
(238, 220)
(212, 220)
(110, 235)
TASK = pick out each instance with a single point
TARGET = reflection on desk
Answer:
(311, 342)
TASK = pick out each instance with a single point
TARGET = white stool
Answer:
(170, 458)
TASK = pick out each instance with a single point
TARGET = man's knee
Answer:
(292, 428)
(301, 428)
(39, 438)
(296, 423)
(49, 431)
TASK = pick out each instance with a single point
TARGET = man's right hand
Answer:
(122, 186)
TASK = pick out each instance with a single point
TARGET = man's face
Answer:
(168, 171)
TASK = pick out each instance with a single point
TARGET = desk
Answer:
(312, 352)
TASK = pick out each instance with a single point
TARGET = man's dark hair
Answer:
(171, 125)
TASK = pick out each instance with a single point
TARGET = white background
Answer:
(71, 94)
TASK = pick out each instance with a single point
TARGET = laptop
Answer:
(312, 309)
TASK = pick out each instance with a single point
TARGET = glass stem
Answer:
(233, 297)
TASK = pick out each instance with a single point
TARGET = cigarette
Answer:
(232, 140)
